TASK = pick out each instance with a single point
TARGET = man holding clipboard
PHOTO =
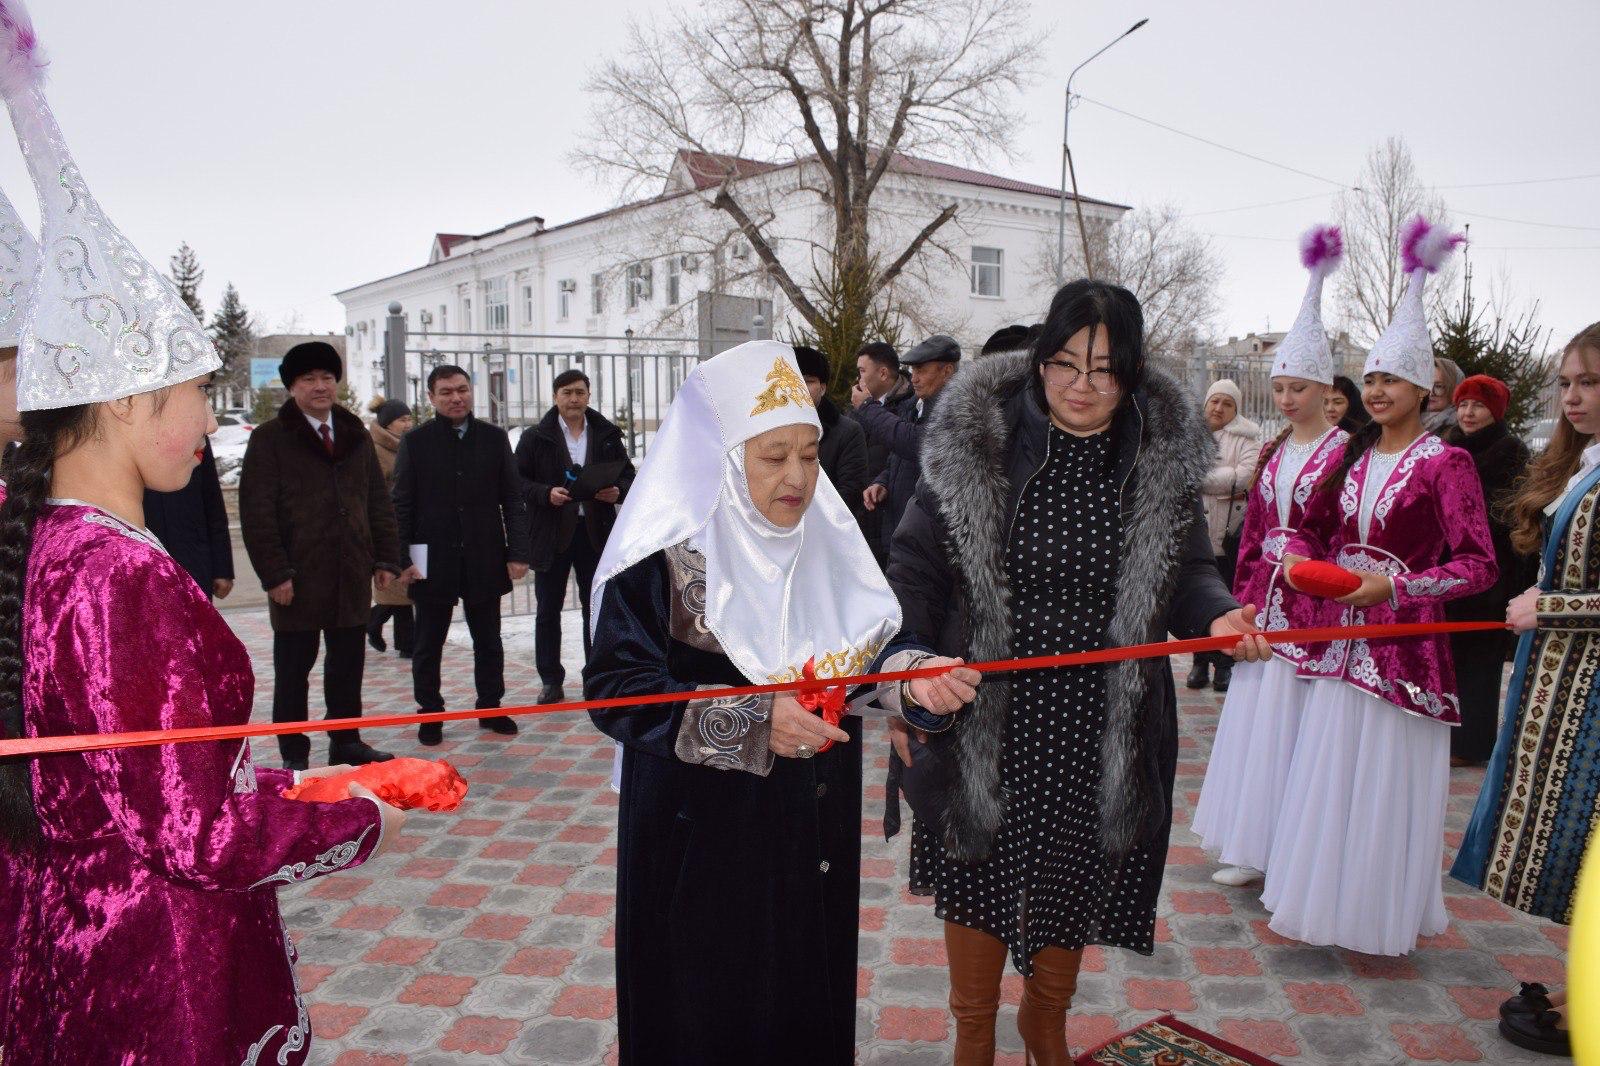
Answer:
(575, 472)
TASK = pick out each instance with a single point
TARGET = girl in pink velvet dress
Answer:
(142, 882)
(1356, 855)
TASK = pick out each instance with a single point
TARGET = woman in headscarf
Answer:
(739, 833)
(1501, 459)
(1058, 511)
(1224, 494)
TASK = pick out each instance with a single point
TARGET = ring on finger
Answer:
(804, 751)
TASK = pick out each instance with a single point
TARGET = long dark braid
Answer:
(1361, 440)
(1267, 453)
(28, 470)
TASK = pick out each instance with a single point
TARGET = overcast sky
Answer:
(306, 147)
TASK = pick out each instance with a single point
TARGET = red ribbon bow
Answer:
(828, 702)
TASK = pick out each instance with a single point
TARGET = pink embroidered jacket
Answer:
(148, 927)
(1258, 577)
(1431, 503)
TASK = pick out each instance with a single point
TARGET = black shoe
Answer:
(1223, 677)
(1531, 998)
(430, 734)
(404, 653)
(1199, 674)
(355, 753)
(296, 764)
(553, 694)
(1537, 1032)
(375, 638)
(505, 726)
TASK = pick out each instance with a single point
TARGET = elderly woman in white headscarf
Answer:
(735, 562)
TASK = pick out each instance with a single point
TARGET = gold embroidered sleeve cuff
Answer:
(729, 733)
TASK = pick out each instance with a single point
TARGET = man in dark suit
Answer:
(568, 535)
(933, 363)
(192, 524)
(319, 527)
(456, 496)
(880, 380)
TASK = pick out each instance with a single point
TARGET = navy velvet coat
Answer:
(737, 894)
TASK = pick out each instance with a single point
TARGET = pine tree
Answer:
(1510, 349)
(187, 275)
(232, 331)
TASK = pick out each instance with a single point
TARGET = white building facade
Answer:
(636, 294)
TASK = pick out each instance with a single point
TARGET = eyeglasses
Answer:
(1064, 375)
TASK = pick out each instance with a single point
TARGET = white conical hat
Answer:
(1304, 351)
(103, 323)
(19, 263)
(1404, 349)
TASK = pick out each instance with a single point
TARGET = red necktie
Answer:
(327, 438)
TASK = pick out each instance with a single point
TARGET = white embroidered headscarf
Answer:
(775, 597)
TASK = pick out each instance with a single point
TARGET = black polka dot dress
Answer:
(1048, 882)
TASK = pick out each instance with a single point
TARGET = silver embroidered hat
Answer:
(1405, 349)
(103, 323)
(19, 263)
(1304, 351)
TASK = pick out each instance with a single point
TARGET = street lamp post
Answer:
(1068, 170)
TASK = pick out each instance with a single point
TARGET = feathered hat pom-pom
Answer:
(22, 61)
(1426, 246)
(1321, 248)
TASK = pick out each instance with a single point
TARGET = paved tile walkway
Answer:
(486, 937)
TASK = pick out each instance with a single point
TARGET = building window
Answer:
(641, 280)
(987, 264)
(674, 280)
(466, 314)
(527, 305)
(444, 319)
(597, 294)
(496, 305)
(566, 292)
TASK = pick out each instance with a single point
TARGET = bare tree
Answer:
(839, 88)
(1153, 253)
(1370, 282)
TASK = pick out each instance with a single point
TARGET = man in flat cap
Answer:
(320, 529)
(932, 364)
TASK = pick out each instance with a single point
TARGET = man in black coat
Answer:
(933, 363)
(842, 452)
(464, 533)
(878, 375)
(568, 535)
(192, 524)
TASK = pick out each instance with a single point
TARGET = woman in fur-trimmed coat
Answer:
(1059, 511)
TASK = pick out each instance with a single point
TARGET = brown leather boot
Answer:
(977, 961)
(1042, 1018)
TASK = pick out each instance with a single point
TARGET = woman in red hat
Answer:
(1501, 458)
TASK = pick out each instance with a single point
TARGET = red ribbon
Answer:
(828, 702)
(30, 746)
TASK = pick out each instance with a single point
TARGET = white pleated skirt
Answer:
(1357, 855)
(1237, 815)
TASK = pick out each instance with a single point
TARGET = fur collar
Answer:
(1164, 452)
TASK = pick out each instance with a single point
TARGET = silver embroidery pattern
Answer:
(244, 771)
(714, 732)
(295, 1038)
(335, 858)
(126, 530)
(1432, 586)
(1272, 546)
(1430, 447)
